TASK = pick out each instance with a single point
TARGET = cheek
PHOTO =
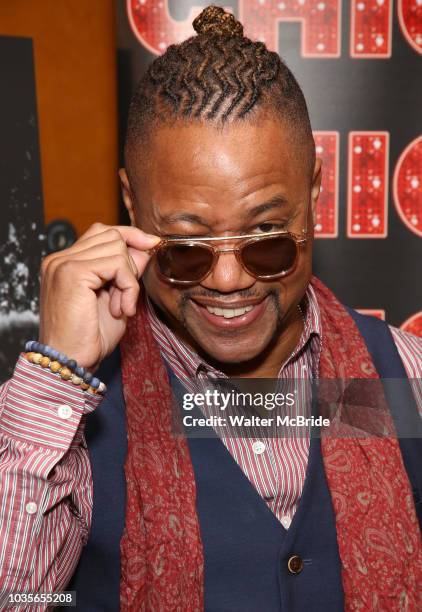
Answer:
(162, 294)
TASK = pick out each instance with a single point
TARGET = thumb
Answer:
(138, 260)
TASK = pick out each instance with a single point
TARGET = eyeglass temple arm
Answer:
(305, 229)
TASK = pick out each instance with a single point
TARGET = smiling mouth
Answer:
(229, 313)
(240, 314)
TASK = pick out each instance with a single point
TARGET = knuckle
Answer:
(49, 263)
(97, 226)
(121, 246)
(114, 234)
(122, 260)
(45, 264)
(64, 267)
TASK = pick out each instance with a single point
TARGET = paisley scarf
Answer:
(162, 561)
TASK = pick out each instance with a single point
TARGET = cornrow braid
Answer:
(217, 76)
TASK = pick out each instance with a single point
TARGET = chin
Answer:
(227, 358)
(232, 353)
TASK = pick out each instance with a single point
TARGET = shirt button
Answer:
(31, 507)
(64, 411)
(295, 564)
(258, 448)
(286, 521)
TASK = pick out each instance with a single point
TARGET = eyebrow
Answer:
(277, 201)
(187, 217)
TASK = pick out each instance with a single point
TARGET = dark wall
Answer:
(22, 238)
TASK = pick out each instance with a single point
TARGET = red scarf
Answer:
(161, 551)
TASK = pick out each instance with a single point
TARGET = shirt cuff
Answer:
(42, 408)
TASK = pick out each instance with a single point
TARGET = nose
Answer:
(228, 275)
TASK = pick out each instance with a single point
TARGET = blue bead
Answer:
(95, 383)
(28, 345)
(54, 354)
(47, 350)
(88, 377)
(71, 364)
(79, 371)
(36, 347)
(62, 358)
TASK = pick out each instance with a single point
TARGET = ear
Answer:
(316, 185)
(127, 195)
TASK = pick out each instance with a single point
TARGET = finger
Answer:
(90, 241)
(133, 236)
(143, 242)
(97, 272)
(116, 302)
(140, 260)
(111, 289)
(94, 229)
(138, 239)
(113, 248)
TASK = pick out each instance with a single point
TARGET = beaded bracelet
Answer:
(59, 363)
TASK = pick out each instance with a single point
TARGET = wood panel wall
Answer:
(75, 70)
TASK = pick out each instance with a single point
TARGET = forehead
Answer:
(194, 165)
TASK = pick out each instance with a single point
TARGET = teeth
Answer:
(229, 313)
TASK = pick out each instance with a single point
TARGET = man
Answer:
(221, 176)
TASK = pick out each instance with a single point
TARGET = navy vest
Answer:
(246, 549)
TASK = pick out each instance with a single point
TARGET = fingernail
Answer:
(154, 238)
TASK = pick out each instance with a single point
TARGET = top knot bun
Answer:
(215, 20)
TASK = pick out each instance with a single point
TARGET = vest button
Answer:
(295, 564)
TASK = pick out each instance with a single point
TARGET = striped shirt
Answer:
(45, 475)
(276, 465)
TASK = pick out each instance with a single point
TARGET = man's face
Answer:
(201, 182)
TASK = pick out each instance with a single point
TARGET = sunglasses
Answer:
(266, 256)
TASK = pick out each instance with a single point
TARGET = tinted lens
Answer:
(270, 256)
(181, 262)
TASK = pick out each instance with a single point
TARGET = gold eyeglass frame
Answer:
(245, 240)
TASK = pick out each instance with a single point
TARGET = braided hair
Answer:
(218, 76)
